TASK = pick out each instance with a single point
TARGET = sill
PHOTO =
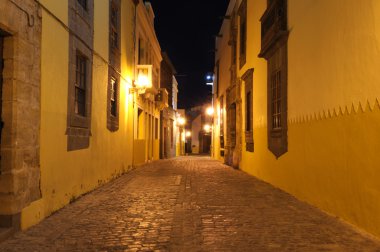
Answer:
(276, 133)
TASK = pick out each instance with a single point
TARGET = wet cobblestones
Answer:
(189, 204)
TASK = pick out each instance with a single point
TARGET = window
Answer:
(276, 100)
(221, 137)
(83, 3)
(248, 80)
(81, 22)
(113, 96)
(156, 128)
(216, 84)
(243, 33)
(248, 112)
(80, 85)
(171, 133)
(114, 19)
(113, 90)
(274, 48)
(141, 52)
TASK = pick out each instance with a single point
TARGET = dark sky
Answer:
(186, 29)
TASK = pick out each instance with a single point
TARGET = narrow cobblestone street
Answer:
(189, 204)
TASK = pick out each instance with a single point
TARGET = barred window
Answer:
(276, 100)
(243, 33)
(83, 3)
(114, 35)
(80, 85)
(113, 98)
(249, 111)
(114, 68)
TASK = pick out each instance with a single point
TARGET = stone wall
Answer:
(20, 165)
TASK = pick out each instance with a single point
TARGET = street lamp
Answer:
(181, 121)
(210, 111)
(143, 79)
(209, 79)
(207, 128)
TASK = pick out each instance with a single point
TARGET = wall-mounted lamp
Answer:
(181, 121)
(143, 79)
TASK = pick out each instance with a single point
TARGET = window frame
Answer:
(242, 12)
(248, 86)
(274, 48)
(81, 42)
(83, 3)
(114, 67)
(80, 85)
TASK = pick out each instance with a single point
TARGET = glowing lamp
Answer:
(188, 134)
(207, 128)
(181, 121)
(210, 111)
(144, 76)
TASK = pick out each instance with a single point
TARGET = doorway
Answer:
(232, 125)
(1, 89)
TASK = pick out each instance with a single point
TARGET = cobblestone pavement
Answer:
(189, 204)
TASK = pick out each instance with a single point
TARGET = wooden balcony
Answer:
(274, 30)
(162, 99)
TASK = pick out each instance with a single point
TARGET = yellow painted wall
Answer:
(67, 175)
(333, 157)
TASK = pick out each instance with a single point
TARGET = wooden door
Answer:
(1, 89)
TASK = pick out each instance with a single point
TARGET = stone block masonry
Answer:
(20, 168)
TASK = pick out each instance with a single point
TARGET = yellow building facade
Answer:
(297, 101)
(87, 121)
(147, 112)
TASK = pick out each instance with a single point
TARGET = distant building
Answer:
(296, 98)
(198, 124)
(169, 129)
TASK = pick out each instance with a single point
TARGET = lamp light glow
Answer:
(210, 111)
(144, 76)
(207, 128)
(181, 121)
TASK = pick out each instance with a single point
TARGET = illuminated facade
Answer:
(296, 100)
(153, 99)
(74, 111)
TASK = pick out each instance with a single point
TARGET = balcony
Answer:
(274, 31)
(162, 99)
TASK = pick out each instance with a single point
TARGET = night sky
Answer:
(186, 29)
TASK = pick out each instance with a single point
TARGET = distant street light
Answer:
(207, 128)
(188, 134)
(181, 121)
(210, 111)
(210, 79)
